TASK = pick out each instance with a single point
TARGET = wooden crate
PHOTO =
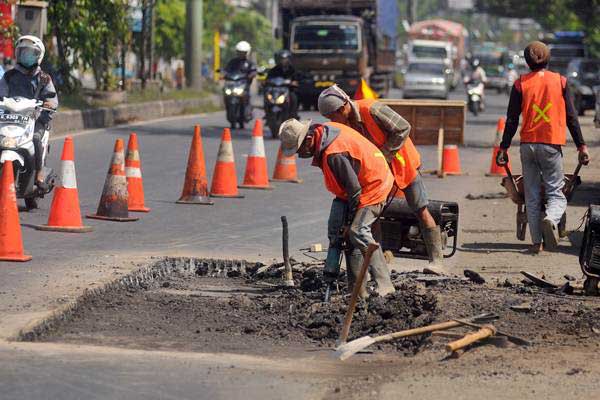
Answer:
(426, 117)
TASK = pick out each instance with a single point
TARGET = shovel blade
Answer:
(347, 350)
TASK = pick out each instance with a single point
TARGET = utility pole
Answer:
(193, 44)
(411, 11)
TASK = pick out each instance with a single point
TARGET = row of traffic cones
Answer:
(124, 192)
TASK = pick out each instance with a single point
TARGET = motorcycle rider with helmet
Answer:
(28, 80)
(243, 65)
(285, 70)
(477, 75)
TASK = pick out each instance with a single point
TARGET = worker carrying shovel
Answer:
(387, 130)
(357, 174)
(543, 99)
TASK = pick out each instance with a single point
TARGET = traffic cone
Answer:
(195, 188)
(285, 169)
(224, 183)
(11, 243)
(495, 170)
(133, 172)
(256, 165)
(113, 203)
(364, 91)
(451, 160)
(65, 215)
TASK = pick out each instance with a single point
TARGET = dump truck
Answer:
(340, 41)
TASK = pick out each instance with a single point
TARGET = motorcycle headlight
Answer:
(238, 91)
(280, 99)
(8, 142)
(228, 92)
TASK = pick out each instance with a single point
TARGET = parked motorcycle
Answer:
(17, 125)
(237, 99)
(277, 103)
(475, 96)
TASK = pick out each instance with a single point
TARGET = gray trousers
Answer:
(542, 167)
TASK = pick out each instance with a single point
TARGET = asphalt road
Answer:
(65, 264)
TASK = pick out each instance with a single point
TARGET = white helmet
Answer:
(29, 51)
(243, 47)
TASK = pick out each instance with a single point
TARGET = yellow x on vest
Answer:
(541, 113)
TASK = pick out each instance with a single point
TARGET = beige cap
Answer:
(292, 133)
(332, 99)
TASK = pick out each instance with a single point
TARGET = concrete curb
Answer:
(79, 120)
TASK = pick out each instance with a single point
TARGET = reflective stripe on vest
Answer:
(407, 160)
(374, 176)
(543, 108)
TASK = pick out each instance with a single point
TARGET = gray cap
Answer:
(292, 133)
(331, 99)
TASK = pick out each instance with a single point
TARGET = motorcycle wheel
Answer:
(232, 125)
(241, 125)
(475, 108)
(31, 203)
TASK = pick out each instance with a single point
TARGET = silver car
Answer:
(426, 79)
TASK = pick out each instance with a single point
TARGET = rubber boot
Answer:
(354, 259)
(381, 273)
(433, 242)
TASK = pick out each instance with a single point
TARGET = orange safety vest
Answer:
(374, 176)
(543, 108)
(406, 161)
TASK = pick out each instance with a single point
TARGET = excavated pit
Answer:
(237, 306)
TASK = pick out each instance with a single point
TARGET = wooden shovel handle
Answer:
(485, 332)
(418, 331)
(355, 292)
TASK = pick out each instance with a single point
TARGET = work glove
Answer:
(584, 155)
(502, 157)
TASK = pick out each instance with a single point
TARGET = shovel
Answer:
(347, 350)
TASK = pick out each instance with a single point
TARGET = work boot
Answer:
(381, 274)
(354, 260)
(433, 242)
(550, 234)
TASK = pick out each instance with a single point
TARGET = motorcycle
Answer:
(17, 125)
(237, 99)
(475, 97)
(277, 103)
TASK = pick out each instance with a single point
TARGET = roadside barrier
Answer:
(451, 160)
(285, 169)
(495, 170)
(11, 242)
(65, 214)
(256, 176)
(133, 172)
(195, 187)
(224, 182)
(113, 204)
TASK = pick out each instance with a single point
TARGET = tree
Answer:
(170, 29)
(552, 15)
(256, 30)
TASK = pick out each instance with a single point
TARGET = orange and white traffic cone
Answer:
(256, 176)
(133, 172)
(113, 204)
(65, 215)
(195, 188)
(495, 170)
(224, 183)
(285, 169)
(11, 242)
(451, 160)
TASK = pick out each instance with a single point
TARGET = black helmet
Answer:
(283, 57)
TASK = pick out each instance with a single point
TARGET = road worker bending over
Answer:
(387, 130)
(357, 174)
(542, 98)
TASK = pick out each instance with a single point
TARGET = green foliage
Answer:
(170, 28)
(88, 34)
(216, 15)
(256, 30)
(553, 15)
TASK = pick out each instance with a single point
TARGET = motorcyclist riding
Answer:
(477, 75)
(28, 80)
(286, 70)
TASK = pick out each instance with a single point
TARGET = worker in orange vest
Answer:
(356, 172)
(543, 99)
(390, 133)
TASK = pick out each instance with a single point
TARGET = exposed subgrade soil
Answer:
(247, 313)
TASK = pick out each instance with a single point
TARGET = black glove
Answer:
(502, 157)
(44, 118)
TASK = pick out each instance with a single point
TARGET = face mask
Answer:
(28, 59)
